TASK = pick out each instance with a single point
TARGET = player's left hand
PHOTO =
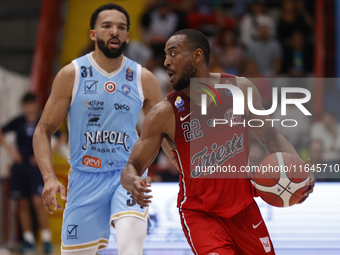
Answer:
(310, 183)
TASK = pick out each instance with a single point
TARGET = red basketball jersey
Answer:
(200, 145)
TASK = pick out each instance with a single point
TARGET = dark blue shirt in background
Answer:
(24, 134)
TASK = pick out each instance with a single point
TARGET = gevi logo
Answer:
(238, 103)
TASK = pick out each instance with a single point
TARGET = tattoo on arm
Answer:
(50, 127)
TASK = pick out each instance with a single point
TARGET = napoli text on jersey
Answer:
(103, 114)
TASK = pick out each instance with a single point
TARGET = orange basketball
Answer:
(280, 179)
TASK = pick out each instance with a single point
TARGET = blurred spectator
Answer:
(229, 54)
(155, 65)
(251, 23)
(138, 51)
(266, 52)
(298, 57)
(26, 181)
(157, 24)
(328, 131)
(240, 7)
(164, 170)
(214, 65)
(294, 17)
(331, 96)
(315, 154)
(203, 12)
(251, 71)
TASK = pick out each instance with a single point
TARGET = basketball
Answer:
(280, 179)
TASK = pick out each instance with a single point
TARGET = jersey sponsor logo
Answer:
(179, 103)
(103, 136)
(116, 163)
(231, 118)
(266, 244)
(126, 89)
(129, 74)
(122, 106)
(90, 87)
(72, 231)
(110, 87)
(258, 224)
(94, 105)
(217, 156)
(93, 119)
(92, 162)
(109, 163)
(183, 118)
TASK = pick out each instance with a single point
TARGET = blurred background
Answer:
(274, 42)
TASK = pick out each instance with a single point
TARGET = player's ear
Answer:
(92, 34)
(197, 56)
(128, 38)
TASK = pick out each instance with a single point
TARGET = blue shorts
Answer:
(25, 181)
(94, 200)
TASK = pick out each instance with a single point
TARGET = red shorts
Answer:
(245, 233)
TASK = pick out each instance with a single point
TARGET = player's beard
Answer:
(110, 53)
(184, 80)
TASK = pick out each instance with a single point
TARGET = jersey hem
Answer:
(136, 214)
(101, 243)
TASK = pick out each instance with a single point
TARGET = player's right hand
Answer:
(49, 194)
(140, 191)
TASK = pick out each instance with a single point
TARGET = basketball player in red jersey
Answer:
(218, 215)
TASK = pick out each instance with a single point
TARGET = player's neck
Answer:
(107, 64)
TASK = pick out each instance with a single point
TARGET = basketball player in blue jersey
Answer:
(101, 94)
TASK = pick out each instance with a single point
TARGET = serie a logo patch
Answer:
(110, 87)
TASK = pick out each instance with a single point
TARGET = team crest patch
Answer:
(230, 117)
(110, 87)
(126, 89)
(129, 74)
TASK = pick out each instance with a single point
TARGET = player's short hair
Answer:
(29, 98)
(109, 6)
(196, 40)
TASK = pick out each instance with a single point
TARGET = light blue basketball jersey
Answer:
(103, 114)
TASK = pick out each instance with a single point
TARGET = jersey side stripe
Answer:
(183, 201)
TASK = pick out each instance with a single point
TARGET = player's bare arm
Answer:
(53, 115)
(268, 135)
(158, 124)
(151, 90)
